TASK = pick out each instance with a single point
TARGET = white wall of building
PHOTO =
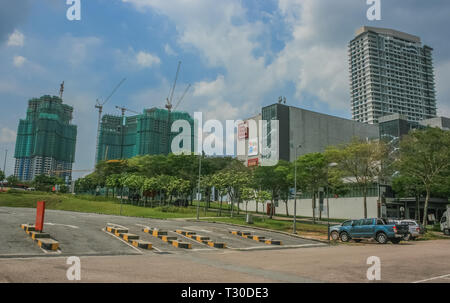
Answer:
(340, 208)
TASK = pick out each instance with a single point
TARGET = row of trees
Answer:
(420, 166)
(40, 182)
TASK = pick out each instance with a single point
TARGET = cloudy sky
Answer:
(238, 55)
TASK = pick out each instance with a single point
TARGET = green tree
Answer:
(311, 175)
(219, 181)
(12, 180)
(359, 162)
(113, 182)
(407, 186)
(262, 196)
(45, 183)
(425, 155)
(2, 177)
(151, 185)
(248, 194)
(135, 183)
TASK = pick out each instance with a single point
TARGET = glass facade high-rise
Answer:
(390, 72)
(46, 140)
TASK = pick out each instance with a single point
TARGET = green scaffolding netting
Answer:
(140, 135)
(47, 131)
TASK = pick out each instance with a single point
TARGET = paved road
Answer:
(421, 261)
(107, 259)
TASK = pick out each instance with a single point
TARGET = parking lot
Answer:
(82, 234)
(109, 258)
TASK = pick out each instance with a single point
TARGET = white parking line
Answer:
(210, 248)
(138, 250)
(71, 226)
(434, 278)
(114, 224)
(277, 246)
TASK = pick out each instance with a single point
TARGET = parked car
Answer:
(374, 228)
(335, 230)
(445, 221)
(415, 229)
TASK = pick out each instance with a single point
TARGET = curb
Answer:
(43, 239)
(128, 237)
(199, 238)
(265, 229)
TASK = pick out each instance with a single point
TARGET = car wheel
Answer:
(345, 237)
(381, 238)
(334, 235)
(396, 241)
(407, 237)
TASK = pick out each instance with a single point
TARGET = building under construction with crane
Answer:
(46, 139)
(142, 134)
(146, 133)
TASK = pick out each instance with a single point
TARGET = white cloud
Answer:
(210, 89)
(131, 59)
(16, 39)
(7, 135)
(19, 61)
(169, 51)
(145, 59)
(78, 50)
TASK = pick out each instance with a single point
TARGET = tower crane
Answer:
(99, 106)
(169, 105)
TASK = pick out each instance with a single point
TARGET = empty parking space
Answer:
(85, 234)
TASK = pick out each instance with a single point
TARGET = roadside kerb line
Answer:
(434, 278)
(193, 236)
(43, 239)
(249, 235)
(193, 239)
(266, 230)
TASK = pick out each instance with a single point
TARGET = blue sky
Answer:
(238, 55)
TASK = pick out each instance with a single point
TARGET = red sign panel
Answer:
(40, 210)
(253, 162)
(243, 131)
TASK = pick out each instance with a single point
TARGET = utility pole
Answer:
(198, 188)
(295, 190)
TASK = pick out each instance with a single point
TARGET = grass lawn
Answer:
(92, 204)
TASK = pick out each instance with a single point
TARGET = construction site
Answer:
(46, 139)
(146, 133)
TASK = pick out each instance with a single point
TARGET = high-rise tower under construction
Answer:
(46, 140)
(143, 134)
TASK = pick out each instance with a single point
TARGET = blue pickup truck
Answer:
(373, 228)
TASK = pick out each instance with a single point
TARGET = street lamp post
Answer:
(328, 201)
(295, 190)
(198, 188)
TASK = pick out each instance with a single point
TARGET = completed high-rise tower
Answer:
(390, 72)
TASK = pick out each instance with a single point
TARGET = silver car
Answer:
(415, 229)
